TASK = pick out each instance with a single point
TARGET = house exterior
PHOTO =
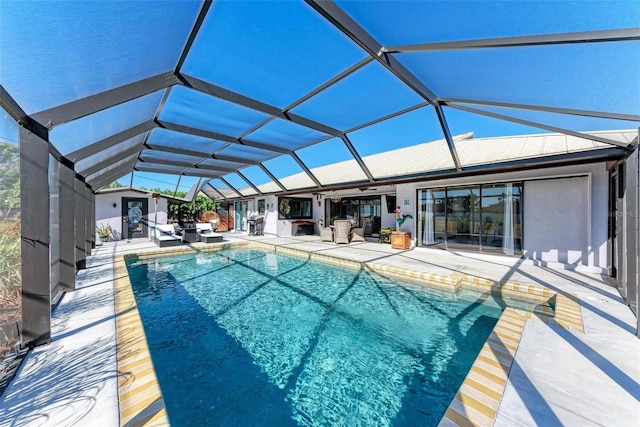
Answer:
(561, 212)
(129, 213)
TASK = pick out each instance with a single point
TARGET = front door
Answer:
(134, 218)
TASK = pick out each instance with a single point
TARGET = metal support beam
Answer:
(387, 117)
(272, 176)
(357, 157)
(598, 36)
(334, 14)
(102, 164)
(144, 162)
(193, 153)
(221, 137)
(360, 64)
(67, 229)
(14, 110)
(306, 170)
(34, 202)
(54, 230)
(206, 4)
(227, 95)
(108, 170)
(110, 141)
(248, 181)
(176, 150)
(215, 190)
(103, 180)
(557, 110)
(193, 191)
(231, 187)
(150, 167)
(540, 125)
(92, 104)
(80, 223)
(629, 239)
(90, 225)
(448, 137)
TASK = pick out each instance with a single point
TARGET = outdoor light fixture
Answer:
(335, 197)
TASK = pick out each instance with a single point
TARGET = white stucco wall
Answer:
(556, 220)
(107, 214)
(387, 219)
(271, 215)
(565, 213)
(283, 227)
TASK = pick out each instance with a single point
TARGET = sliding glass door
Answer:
(361, 211)
(480, 217)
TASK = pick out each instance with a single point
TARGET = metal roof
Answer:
(249, 98)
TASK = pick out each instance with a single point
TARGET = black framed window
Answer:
(294, 208)
(487, 217)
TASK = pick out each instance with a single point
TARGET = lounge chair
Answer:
(206, 234)
(341, 230)
(166, 236)
(357, 234)
(326, 233)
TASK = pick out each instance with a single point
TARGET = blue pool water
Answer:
(246, 337)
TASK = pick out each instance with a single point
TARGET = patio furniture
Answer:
(341, 230)
(190, 234)
(357, 234)
(400, 240)
(326, 233)
(302, 228)
(166, 236)
(205, 233)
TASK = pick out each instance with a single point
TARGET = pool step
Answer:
(476, 402)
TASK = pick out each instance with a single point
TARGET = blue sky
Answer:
(284, 50)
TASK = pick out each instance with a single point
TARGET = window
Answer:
(261, 207)
(361, 211)
(487, 217)
(294, 208)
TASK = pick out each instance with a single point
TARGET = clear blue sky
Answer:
(277, 52)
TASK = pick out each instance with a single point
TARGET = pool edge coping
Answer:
(140, 399)
(476, 402)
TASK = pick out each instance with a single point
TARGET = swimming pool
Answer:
(245, 336)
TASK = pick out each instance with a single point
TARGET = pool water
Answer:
(247, 337)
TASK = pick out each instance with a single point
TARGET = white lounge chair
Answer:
(166, 236)
(206, 234)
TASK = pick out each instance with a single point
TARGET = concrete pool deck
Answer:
(557, 377)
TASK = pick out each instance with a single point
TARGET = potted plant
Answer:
(104, 232)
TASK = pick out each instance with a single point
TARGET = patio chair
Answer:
(326, 233)
(206, 234)
(341, 230)
(165, 236)
(357, 235)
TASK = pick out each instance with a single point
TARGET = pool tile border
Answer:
(477, 400)
(140, 398)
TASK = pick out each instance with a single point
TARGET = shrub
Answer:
(10, 284)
